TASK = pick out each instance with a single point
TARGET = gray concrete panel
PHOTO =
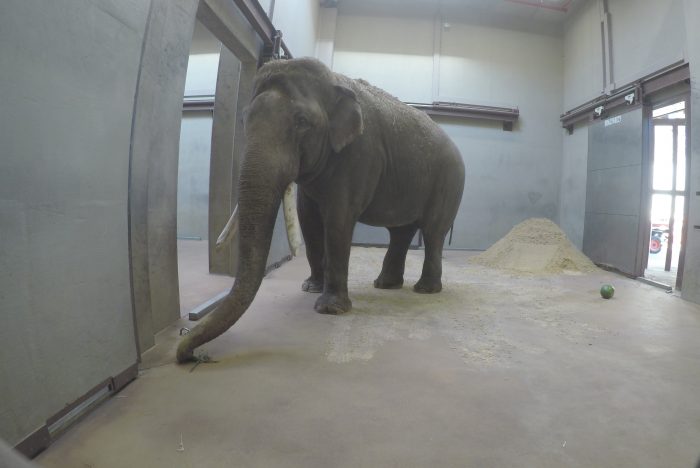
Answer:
(691, 274)
(155, 142)
(228, 24)
(506, 183)
(572, 198)
(67, 94)
(193, 175)
(221, 182)
(370, 235)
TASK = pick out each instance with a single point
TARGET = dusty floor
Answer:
(496, 370)
(197, 285)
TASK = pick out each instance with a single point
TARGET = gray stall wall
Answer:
(154, 161)
(193, 175)
(298, 21)
(67, 97)
(647, 35)
(511, 176)
(691, 277)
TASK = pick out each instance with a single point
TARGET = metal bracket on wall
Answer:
(198, 103)
(632, 94)
(506, 115)
(274, 46)
(39, 440)
(272, 51)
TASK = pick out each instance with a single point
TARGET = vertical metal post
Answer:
(671, 219)
(607, 49)
(437, 49)
(686, 194)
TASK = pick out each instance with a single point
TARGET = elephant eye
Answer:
(301, 121)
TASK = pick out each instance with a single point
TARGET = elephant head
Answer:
(300, 115)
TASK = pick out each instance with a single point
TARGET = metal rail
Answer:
(632, 94)
(507, 115)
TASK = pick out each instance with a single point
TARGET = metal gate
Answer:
(614, 193)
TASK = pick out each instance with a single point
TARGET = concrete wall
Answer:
(298, 21)
(193, 175)
(583, 61)
(583, 80)
(88, 179)
(385, 51)
(691, 277)
(67, 98)
(154, 166)
(572, 201)
(646, 35)
(511, 176)
(195, 137)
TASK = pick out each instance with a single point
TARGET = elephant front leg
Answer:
(338, 238)
(312, 230)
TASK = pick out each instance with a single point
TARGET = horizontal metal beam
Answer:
(195, 103)
(228, 24)
(507, 115)
(641, 89)
(261, 23)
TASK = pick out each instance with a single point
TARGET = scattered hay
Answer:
(535, 246)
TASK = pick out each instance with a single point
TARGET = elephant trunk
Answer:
(260, 191)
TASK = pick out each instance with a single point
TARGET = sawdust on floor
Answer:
(535, 246)
(476, 313)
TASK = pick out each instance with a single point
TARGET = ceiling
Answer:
(543, 16)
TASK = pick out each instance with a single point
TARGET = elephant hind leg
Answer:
(431, 278)
(312, 230)
(391, 276)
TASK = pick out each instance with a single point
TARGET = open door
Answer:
(612, 235)
(668, 194)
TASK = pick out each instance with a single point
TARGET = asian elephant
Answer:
(357, 154)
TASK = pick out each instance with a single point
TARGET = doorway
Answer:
(669, 193)
(196, 285)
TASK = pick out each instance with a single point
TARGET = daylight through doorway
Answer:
(668, 194)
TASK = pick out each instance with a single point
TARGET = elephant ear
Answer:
(345, 119)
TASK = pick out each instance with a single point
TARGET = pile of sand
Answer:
(536, 245)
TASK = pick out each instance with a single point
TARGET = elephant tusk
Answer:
(291, 218)
(229, 230)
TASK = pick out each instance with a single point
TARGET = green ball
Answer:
(607, 291)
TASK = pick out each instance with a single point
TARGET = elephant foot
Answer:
(386, 282)
(185, 352)
(424, 286)
(332, 304)
(312, 285)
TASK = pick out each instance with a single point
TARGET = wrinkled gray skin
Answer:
(357, 154)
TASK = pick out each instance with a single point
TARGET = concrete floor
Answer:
(197, 285)
(497, 370)
(655, 270)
